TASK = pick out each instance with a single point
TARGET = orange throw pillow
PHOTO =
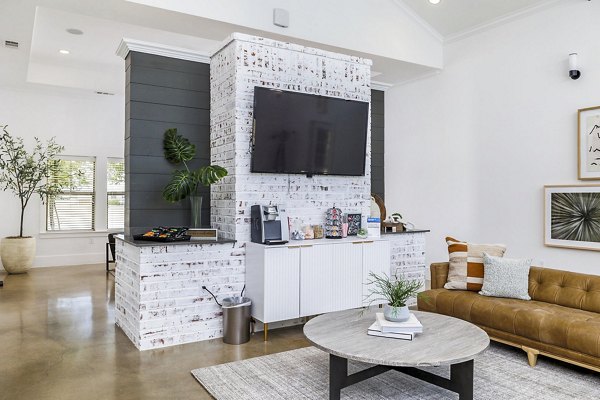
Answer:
(466, 263)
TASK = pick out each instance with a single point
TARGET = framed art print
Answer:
(572, 216)
(354, 224)
(588, 143)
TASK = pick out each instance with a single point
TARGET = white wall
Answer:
(87, 125)
(468, 151)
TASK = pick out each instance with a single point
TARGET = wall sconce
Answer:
(574, 73)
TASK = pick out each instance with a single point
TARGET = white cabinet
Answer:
(298, 280)
(273, 282)
(316, 279)
(347, 285)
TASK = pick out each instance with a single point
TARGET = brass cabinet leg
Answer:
(266, 331)
(532, 355)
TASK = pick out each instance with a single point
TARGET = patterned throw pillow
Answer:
(466, 263)
(506, 277)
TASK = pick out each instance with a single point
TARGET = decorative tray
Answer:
(183, 238)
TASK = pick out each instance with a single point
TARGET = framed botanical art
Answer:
(588, 143)
(572, 216)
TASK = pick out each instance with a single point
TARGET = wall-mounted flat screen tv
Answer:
(298, 133)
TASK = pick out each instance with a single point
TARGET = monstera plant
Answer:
(185, 182)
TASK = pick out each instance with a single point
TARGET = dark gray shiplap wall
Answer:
(162, 93)
(377, 143)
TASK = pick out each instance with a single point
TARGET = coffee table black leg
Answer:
(338, 373)
(461, 378)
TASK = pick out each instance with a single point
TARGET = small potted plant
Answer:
(185, 182)
(25, 174)
(396, 292)
(362, 233)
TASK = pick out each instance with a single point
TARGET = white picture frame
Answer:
(572, 216)
(588, 143)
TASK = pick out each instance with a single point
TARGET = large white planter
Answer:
(17, 254)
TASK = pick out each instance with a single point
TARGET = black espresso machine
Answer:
(269, 225)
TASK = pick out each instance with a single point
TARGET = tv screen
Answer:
(298, 133)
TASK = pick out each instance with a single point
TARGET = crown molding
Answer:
(158, 49)
(501, 20)
(383, 86)
(417, 18)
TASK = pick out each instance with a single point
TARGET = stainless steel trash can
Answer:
(236, 320)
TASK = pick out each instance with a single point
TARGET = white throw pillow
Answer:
(505, 277)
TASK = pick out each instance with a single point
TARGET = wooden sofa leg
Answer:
(532, 355)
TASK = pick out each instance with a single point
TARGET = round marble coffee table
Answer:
(444, 341)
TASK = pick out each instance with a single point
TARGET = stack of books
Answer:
(397, 330)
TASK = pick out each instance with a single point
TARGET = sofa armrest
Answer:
(439, 274)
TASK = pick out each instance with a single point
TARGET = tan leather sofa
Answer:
(561, 321)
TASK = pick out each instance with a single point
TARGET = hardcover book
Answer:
(412, 325)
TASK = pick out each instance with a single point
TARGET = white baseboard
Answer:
(60, 260)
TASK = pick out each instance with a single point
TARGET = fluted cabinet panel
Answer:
(281, 284)
(347, 284)
(316, 279)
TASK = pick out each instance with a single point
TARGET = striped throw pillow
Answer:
(466, 263)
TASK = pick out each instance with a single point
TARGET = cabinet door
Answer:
(376, 259)
(281, 283)
(316, 279)
(347, 276)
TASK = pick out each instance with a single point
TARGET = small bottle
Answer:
(345, 226)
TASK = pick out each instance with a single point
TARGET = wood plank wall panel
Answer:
(162, 93)
(377, 143)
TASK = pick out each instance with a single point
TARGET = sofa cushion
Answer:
(505, 277)
(466, 263)
(569, 289)
(551, 324)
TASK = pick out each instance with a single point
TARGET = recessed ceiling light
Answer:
(75, 31)
(63, 51)
(435, 1)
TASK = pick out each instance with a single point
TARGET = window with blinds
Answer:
(115, 178)
(74, 207)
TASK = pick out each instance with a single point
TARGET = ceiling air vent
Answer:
(11, 44)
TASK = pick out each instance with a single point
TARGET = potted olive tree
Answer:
(396, 292)
(185, 182)
(25, 174)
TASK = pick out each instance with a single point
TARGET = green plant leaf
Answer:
(177, 148)
(26, 173)
(210, 174)
(395, 292)
(182, 184)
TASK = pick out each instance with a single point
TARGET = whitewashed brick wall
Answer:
(248, 61)
(407, 253)
(159, 298)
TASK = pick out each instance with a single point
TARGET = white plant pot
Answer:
(17, 254)
(396, 314)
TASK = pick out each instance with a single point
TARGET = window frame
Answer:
(110, 160)
(93, 193)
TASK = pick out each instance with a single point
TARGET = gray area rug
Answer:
(500, 373)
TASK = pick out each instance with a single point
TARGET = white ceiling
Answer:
(92, 63)
(454, 17)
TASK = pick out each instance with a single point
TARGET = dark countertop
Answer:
(146, 243)
(409, 231)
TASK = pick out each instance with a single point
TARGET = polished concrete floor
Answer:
(58, 340)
